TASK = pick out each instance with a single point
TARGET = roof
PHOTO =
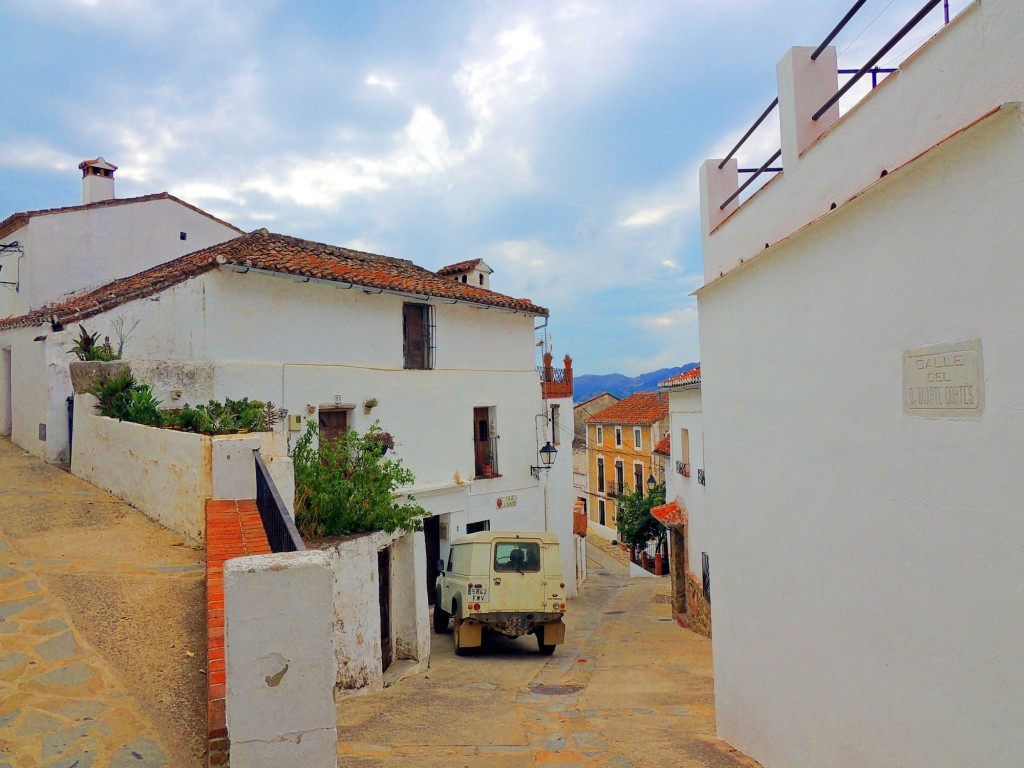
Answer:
(595, 397)
(16, 221)
(638, 408)
(261, 250)
(671, 514)
(462, 266)
(681, 379)
(664, 446)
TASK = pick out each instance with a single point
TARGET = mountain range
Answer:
(588, 385)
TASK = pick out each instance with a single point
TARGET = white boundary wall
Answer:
(868, 576)
(280, 662)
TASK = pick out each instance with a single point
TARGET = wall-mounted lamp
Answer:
(547, 458)
(651, 483)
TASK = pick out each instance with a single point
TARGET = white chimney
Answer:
(97, 180)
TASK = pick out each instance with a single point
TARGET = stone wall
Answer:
(698, 614)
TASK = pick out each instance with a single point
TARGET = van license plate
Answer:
(477, 593)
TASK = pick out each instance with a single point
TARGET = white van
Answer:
(505, 581)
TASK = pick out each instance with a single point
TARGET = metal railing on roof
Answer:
(869, 68)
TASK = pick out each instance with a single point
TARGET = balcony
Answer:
(555, 382)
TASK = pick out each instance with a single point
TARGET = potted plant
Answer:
(369, 404)
(488, 463)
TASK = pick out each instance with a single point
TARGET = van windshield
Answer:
(521, 556)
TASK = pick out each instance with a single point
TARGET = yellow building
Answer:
(620, 445)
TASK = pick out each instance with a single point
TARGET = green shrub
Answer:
(633, 518)
(345, 485)
(225, 418)
(121, 397)
(87, 347)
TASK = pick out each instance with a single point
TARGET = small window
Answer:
(600, 435)
(481, 279)
(516, 557)
(684, 446)
(638, 441)
(554, 425)
(183, 235)
(600, 511)
(418, 336)
(618, 437)
(464, 278)
(482, 525)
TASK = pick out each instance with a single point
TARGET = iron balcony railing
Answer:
(612, 489)
(682, 468)
(282, 535)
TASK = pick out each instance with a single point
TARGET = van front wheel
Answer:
(545, 650)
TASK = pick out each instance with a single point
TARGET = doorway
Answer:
(432, 539)
(333, 422)
(6, 411)
(384, 581)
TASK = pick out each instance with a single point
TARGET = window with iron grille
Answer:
(418, 335)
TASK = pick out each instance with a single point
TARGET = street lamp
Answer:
(651, 483)
(547, 458)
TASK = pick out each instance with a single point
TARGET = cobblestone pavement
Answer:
(76, 689)
(629, 689)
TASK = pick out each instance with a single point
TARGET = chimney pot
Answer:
(97, 180)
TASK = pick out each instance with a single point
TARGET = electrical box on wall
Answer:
(295, 422)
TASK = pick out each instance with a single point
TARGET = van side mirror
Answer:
(440, 565)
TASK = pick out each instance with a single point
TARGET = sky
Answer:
(560, 141)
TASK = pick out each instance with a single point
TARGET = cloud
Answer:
(33, 154)
(648, 217)
(388, 84)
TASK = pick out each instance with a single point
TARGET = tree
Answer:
(633, 518)
(346, 485)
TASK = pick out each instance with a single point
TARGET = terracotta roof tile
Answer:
(274, 253)
(16, 221)
(638, 408)
(671, 514)
(664, 446)
(462, 266)
(681, 379)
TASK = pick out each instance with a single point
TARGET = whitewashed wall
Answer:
(867, 576)
(76, 249)
(971, 67)
(281, 666)
(685, 413)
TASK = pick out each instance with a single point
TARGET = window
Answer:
(618, 437)
(638, 478)
(638, 441)
(418, 335)
(463, 278)
(483, 525)
(600, 435)
(517, 557)
(600, 511)
(481, 279)
(619, 476)
(600, 475)
(684, 452)
(554, 425)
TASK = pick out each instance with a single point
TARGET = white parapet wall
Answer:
(281, 666)
(164, 474)
(169, 475)
(356, 599)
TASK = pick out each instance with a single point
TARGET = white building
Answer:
(684, 512)
(321, 330)
(46, 255)
(861, 325)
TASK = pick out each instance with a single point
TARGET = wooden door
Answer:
(384, 580)
(333, 422)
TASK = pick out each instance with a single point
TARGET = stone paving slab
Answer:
(628, 689)
(95, 626)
